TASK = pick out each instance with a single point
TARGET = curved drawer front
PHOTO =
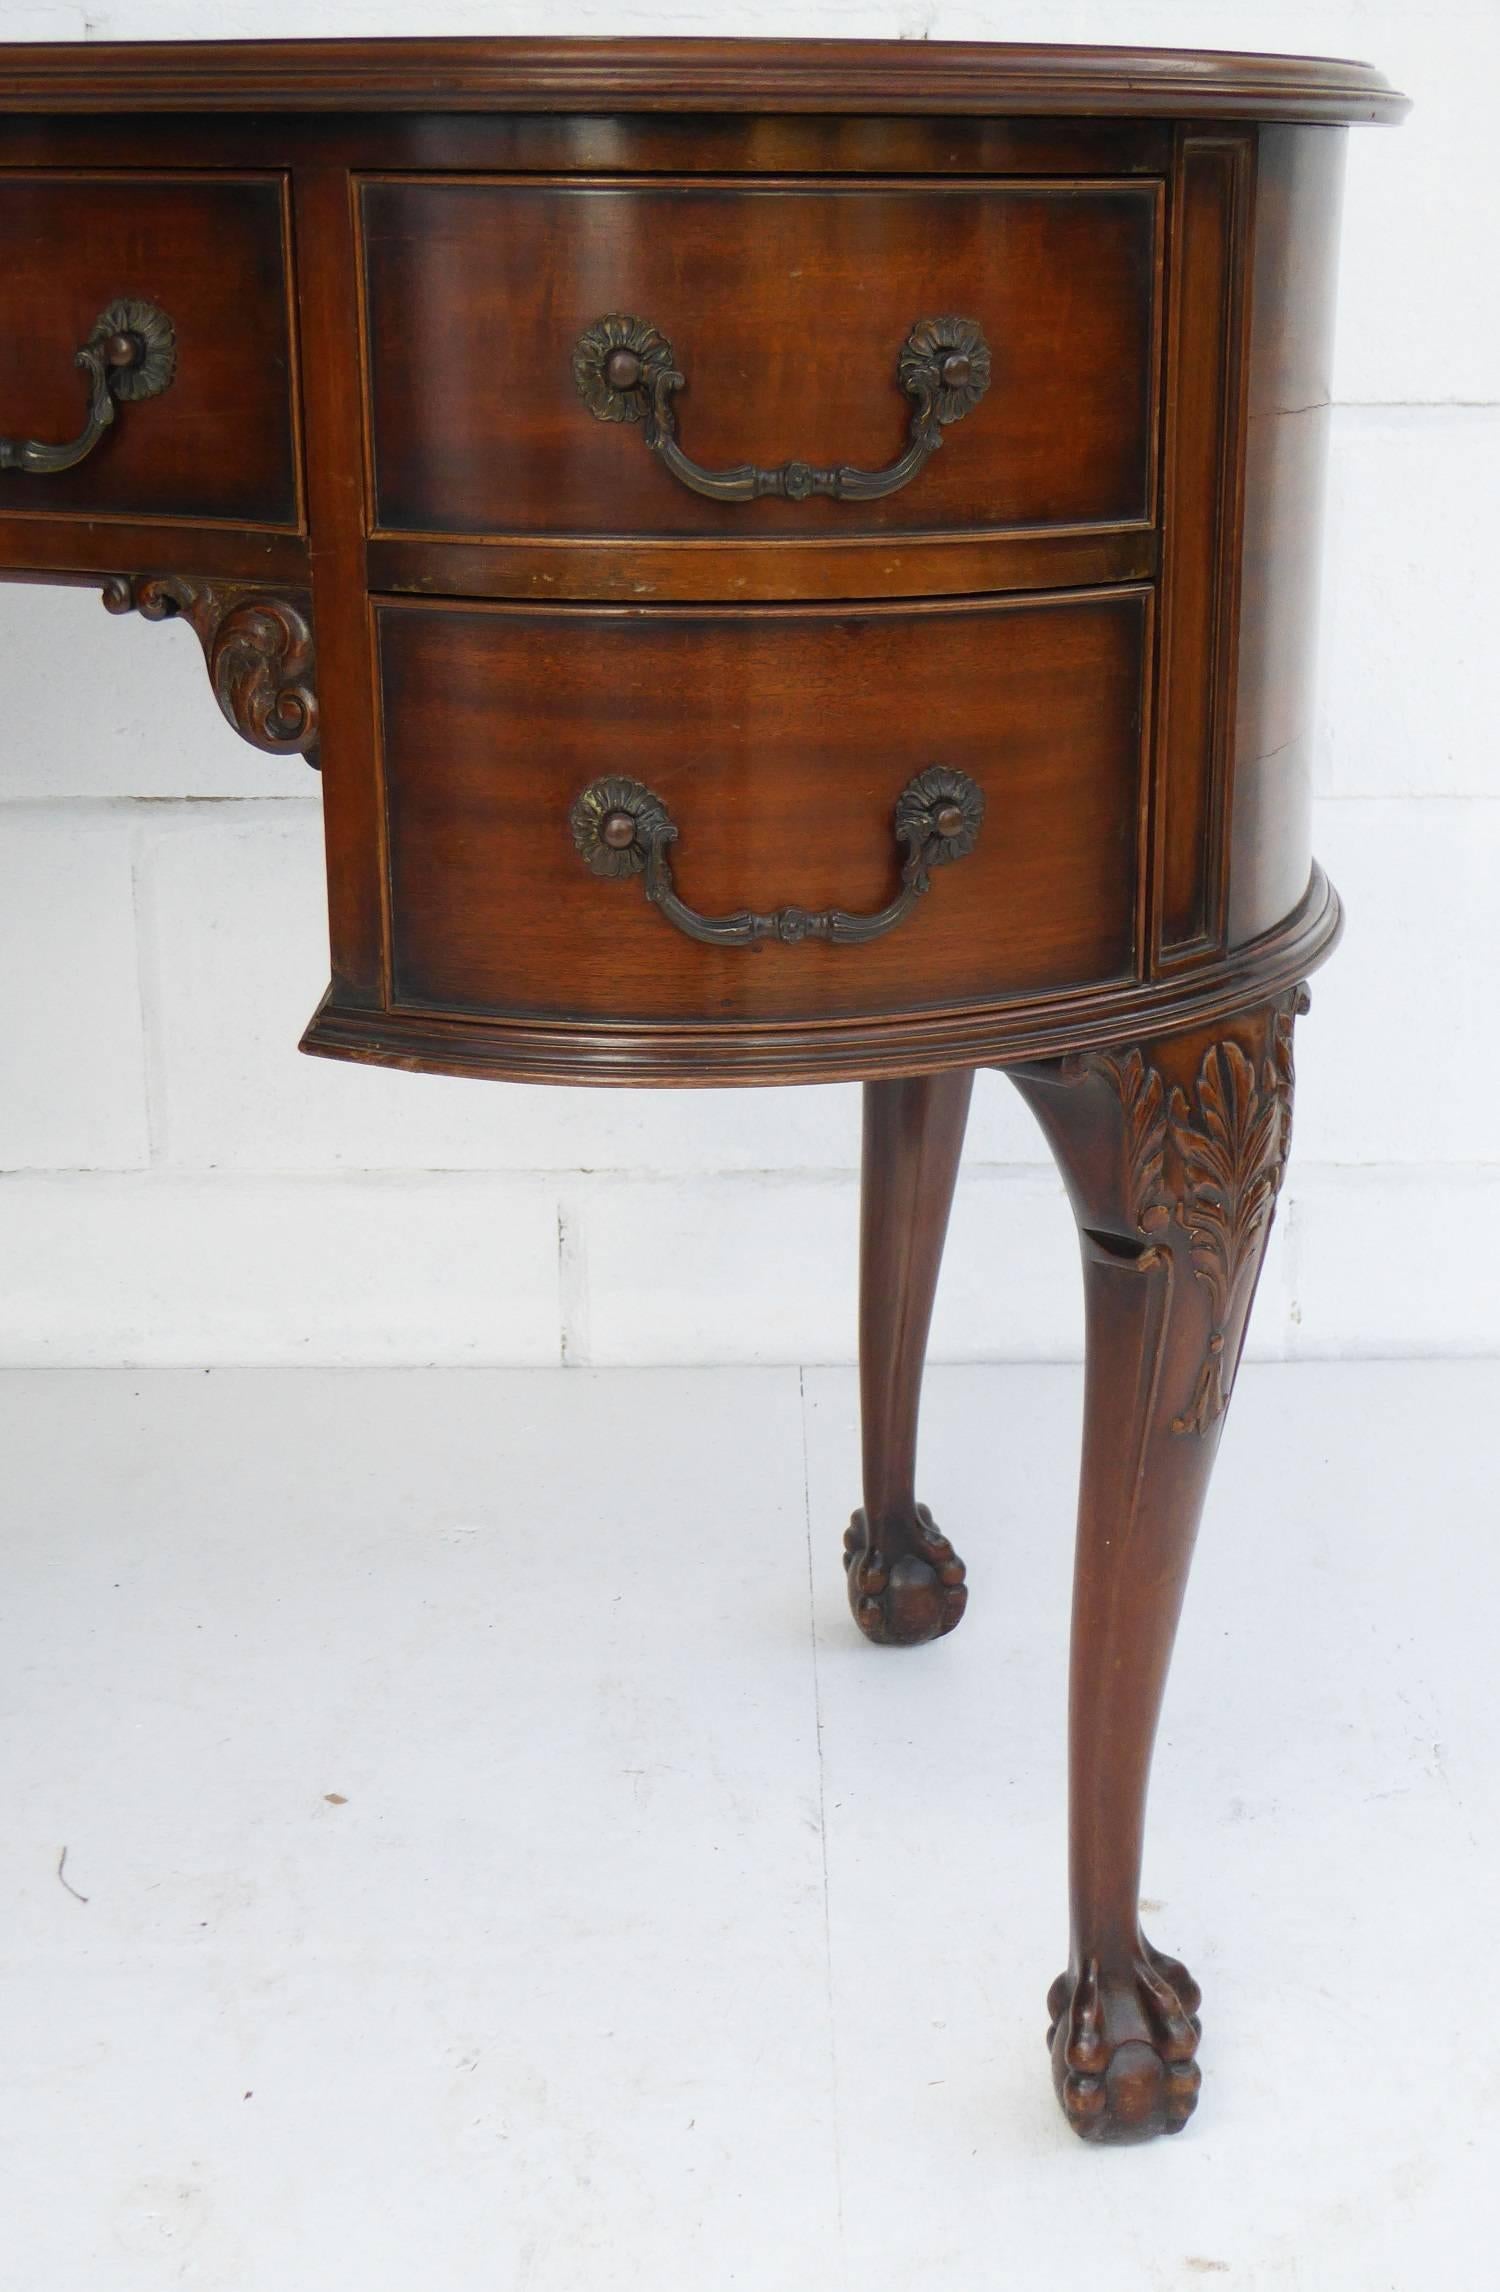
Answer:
(778, 744)
(785, 311)
(206, 428)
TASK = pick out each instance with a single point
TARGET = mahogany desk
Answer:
(796, 562)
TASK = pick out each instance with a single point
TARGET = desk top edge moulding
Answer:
(796, 561)
(976, 78)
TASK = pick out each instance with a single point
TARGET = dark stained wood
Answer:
(72, 549)
(1200, 513)
(1173, 1154)
(258, 646)
(594, 144)
(1095, 604)
(220, 441)
(353, 807)
(780, 741)
(906, 1582)
(787, 308)
(685, 1053)
(1299, 184)
(635, 571)
(894, 76)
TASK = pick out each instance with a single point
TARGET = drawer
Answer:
(786, 309)
(779, 743)
(217, 440)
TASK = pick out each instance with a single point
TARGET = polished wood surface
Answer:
(643, 569)
(1200, 527)
(614, 772)
(219, 443)
(906, 1582)
(1173, 1153)
(688, 1053)
(1287, 387)
(787, 305)
(593, 145)
(877, 76)
(773, 738)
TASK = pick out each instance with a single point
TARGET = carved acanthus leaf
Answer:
(1229, 1145)
(1142, 1099)
(1296, 1006)
(258, 644)
(1233, 1143)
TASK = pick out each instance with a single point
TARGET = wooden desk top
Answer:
(978, 79)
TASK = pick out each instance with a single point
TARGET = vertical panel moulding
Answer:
(1202, 460)
(353, 807)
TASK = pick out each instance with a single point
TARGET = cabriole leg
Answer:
(1173, 1154)
(906, 1582)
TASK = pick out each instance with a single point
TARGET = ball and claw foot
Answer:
(913, 1591)
(1122, 2045)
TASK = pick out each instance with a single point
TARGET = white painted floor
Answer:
(506, 1869)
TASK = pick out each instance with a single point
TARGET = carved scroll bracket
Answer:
(258, 644)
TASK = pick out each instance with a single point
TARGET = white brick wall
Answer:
(177, 1185)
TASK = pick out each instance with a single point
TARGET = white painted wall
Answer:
(180, 1186)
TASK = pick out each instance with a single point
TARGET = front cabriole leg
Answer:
(1173, 1153)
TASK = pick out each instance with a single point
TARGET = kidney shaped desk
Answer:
(796, 562)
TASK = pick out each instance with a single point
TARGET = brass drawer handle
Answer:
(621, 828)
(626, 372)
(131, 353)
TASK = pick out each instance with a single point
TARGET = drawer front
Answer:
(216, 440)
(786, 309)
(778, 742)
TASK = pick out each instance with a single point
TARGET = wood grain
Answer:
(1173, 1153)
(220, 442)
(353, 812)
(690, 1054)
(636, 571)
(780, 741)
(787, 307)
(1211, 220)
(969, 78)
(594, 144)
(906, 1583)
(1299, 184)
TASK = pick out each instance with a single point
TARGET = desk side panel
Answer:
(1299, 181)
